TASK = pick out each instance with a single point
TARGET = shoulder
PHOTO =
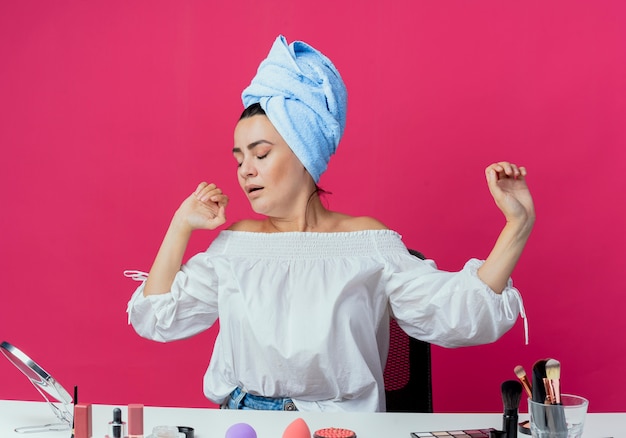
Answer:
(358, 223)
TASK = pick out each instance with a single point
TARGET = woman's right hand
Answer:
(204, 209)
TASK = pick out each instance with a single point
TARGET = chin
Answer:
(259, 208)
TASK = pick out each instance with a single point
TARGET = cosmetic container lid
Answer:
(524, 427)
(333, 432)
(188, 431)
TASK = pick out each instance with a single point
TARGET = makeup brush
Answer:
(523, 378)
(538, 387)
(547, 388)
(539, 415)
(511, 397)
(553, 373)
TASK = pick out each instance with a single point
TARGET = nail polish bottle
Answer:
(117, 428)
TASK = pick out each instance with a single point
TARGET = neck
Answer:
(311, 219)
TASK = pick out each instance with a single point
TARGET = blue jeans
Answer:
(239, 399)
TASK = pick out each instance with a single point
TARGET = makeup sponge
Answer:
(297, 429)
(240, 430)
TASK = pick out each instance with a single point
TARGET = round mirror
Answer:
(42, 381)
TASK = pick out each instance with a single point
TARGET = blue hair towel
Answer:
(305, 98)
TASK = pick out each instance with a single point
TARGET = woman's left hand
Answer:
(507, 184)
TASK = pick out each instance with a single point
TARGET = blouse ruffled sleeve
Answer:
(450, 309)
(189, 308)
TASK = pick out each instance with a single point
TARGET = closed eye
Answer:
(260, 157)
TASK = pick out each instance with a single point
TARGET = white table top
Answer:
(213, 423)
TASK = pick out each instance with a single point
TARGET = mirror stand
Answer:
(43, 383)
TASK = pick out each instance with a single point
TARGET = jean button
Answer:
(290, 406)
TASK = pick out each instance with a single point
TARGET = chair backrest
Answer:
(408, 380)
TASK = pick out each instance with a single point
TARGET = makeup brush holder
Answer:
(566, 420)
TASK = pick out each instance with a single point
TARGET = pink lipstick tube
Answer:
(135, 421)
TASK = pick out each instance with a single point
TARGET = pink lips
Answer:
(250, 189)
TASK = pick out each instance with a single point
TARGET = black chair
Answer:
(408, 379)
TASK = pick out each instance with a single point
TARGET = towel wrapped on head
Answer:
(305, 98)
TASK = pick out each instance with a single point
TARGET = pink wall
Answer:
(112, 111)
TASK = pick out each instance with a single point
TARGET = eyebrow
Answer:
(252, 145)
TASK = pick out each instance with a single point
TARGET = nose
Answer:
(247, 169)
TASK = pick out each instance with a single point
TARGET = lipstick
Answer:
(135, 420)
(82, 420)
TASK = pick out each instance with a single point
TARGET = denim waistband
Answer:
(239, 399)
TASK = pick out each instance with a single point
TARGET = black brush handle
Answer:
(539, 389)
(509, 424)
(539, 415)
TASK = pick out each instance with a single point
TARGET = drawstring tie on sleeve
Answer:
(137, 276)
(510, 315)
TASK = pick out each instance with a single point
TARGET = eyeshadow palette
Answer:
(472, 433)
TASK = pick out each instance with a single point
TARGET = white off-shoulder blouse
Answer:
(306, 315)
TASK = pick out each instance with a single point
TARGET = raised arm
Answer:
(507, 184)
(203, 209)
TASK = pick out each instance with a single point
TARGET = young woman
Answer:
(304, 296)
